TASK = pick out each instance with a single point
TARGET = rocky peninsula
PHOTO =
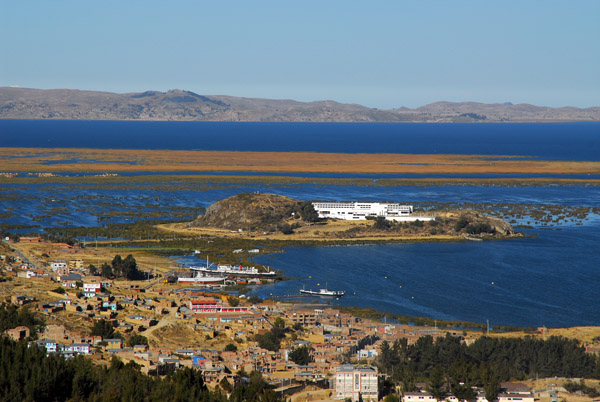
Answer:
(275, 217)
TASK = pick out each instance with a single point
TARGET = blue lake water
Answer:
(551, 279)
(557, 141)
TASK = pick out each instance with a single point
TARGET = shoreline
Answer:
(150, 261)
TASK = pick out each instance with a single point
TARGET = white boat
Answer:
(223, 269)
(323, 292)
(200, 279)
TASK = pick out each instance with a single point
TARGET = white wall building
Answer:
(418, 397)
(516, 397)
(523, 394)
(58, 265)
(367, 353)
(361, 210)
(90, 289)
(82, 348)
(354, 380)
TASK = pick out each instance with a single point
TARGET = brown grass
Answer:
(121, 160)
(91, 255)
(323, 232)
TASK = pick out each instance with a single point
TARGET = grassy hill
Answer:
(257, 212)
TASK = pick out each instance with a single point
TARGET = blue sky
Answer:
(381, 54)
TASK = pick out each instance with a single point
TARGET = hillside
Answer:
(22, 103)
(254, 211)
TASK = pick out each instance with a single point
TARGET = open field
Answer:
(41, 253)
(123, 160)
(583, 334)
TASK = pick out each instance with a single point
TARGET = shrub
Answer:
(254, 299)
(381, 223)
(286, 229)
(230, 347)
(461, 223)
(478, 228)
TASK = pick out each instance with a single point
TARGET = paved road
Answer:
(23, 257)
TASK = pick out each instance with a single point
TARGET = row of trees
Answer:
(448, 365)
(28, 374)
(119, 268)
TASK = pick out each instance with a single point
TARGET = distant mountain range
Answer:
(69, 104)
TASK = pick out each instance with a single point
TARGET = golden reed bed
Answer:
(124, 160)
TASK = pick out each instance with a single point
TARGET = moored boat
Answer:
(323, 292)
(200, 279)
(224, 269)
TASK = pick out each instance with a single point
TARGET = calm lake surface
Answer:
(551, 279)
(556, 141)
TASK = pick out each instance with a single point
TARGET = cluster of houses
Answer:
(332, 336)
(329, 333)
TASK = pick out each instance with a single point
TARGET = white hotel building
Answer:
(361, 210)
(354, 382)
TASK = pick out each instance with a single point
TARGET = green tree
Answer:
(301, 355)
(386, 356)
(104, 329)
(106, 271)
(381, 223)
(124, 268)
(92, 270)
(60, 290)
(136, 339)
(12, 316)
(225, 385)
(435, 385)
(408, 379)
(461, 223)
(268, 341)
(116, 264)
(272, 339)
(308, 212)
(285, 228)
(230, 347)
(492, 389)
